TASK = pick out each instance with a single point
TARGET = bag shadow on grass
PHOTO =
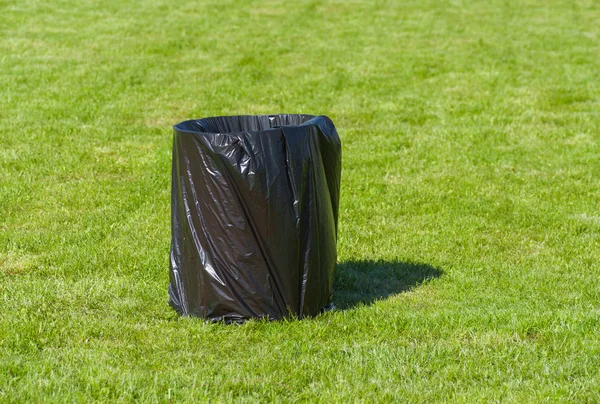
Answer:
(363, 282)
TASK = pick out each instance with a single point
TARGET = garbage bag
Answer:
(254, 216)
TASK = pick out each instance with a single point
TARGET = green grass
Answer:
(469, 241)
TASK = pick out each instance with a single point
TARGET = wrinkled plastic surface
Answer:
(254, 216)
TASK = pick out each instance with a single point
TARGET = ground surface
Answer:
(470, 214)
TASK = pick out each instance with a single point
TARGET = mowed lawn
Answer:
(469, 238)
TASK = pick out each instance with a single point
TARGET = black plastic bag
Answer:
(254, 216)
